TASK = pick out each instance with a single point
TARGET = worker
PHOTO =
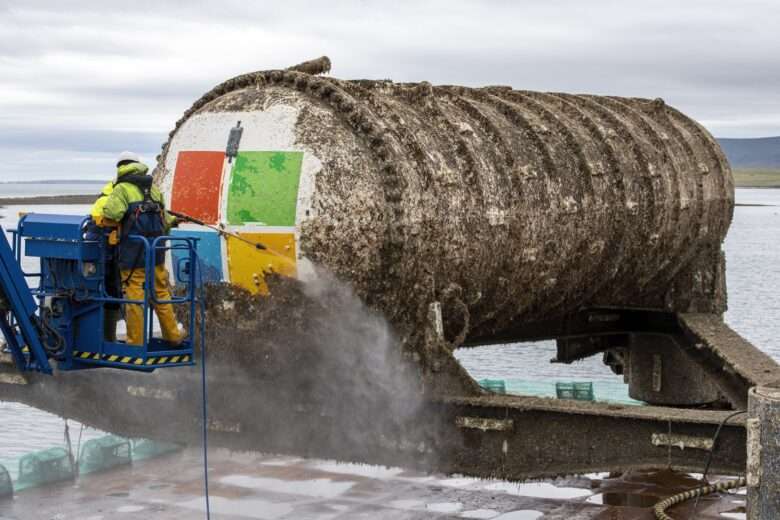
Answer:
(96, 229)
(139, 208)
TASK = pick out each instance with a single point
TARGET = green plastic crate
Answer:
(575, 391)
(6, 485)
(45, 467)
(497, 386)
(147, 448)
(104, 453)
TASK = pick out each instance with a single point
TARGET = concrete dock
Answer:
(255, 486)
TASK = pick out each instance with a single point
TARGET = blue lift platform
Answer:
(61, 319)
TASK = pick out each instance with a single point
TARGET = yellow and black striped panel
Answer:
(128, 360)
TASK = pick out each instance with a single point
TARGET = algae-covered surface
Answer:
(506, 206)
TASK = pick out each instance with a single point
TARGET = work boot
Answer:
(179, 343)
(110, 319)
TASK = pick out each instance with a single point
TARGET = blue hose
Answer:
(205, 397)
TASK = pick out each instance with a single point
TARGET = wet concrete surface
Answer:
(267, 487)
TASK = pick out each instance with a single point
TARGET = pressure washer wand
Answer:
(193, 220)
(224, 232)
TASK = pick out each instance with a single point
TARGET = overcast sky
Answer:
(82, 80)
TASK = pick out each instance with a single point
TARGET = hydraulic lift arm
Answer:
(18, 320)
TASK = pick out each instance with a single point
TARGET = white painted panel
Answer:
(271, 129)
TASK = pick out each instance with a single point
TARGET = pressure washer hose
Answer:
(661, 507)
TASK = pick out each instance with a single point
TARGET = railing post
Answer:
(763, 454)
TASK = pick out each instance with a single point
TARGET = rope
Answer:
(715, 441)
(661, 507)
(70, 444)
(453, 293)
(78, 448)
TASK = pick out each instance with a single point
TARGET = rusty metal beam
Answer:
(504, 436)
(551, 437)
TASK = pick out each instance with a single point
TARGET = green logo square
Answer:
(264, 188)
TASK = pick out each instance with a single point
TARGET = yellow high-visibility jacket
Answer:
(97, 208)
(123, 194)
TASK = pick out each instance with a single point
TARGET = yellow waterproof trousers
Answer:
(133, 287)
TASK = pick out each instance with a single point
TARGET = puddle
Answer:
(249, 508)
(129, 509)
(667, 480)
(406, 504)
(282, 461)
(458, 481)
(119, 494)
(360, 470)
(624, 499)
(738, 516)
(524, 514)
(317, 488)
(444, 507)
(480, 513)
(539, 490)
(417, 480)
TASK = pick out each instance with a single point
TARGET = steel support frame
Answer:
(509, 437)
(537, 438)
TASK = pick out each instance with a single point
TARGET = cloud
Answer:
(84, 76)
(85, 141)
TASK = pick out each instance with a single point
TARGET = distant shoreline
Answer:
(756, 178)
(48, 199)
(90, 198)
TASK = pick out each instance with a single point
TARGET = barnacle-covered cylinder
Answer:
(507, 206)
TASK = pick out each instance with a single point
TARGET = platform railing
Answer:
(165, 243)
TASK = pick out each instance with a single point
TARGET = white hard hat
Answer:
(128, 156)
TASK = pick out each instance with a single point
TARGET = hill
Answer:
(760, 153)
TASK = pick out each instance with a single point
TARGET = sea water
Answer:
(49, 188)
